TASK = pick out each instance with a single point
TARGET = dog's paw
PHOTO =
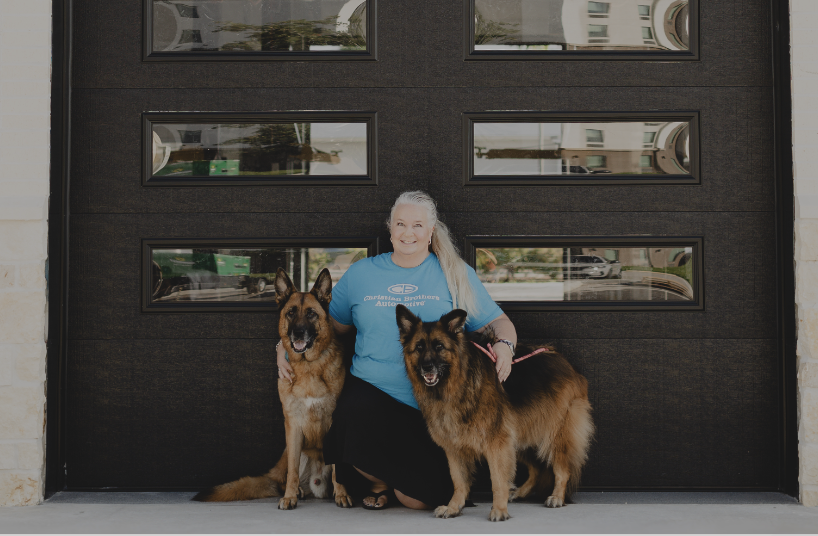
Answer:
(445, 512)
(287, 503)
(498, 514)
(343, 500)
(554, 502)
(301, 493)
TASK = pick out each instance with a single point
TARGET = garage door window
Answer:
(526, 148)
(215, 149)
(207, 275)
(582, 29)
(544, 273)
(259, 29)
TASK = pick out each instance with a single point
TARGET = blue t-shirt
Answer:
(366, 297)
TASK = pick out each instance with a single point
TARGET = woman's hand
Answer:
(504, 359)
(285, 371)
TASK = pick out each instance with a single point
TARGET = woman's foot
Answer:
(378, 500)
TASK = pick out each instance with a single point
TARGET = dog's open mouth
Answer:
(300, 346)
(431, 378)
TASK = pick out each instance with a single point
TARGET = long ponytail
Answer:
(454, 268)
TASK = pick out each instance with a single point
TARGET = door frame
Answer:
(59, 229)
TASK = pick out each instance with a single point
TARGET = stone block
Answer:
(22, 317)
(24, 152)
(7, 275)
(26, 7)
(808, 425)
(20, 489)
(24, 208)
(8, 456)
(31, 275)
(30, 367)
(40, 138)
(30, 455)
(806, 239)
(809, 497)
(20, 122)
(7, 364)
(34, 184)
(23, 240)
(808, 375)
(23, 412)
(807, 332)
(31, 105)
(806, 281)
(808, 458)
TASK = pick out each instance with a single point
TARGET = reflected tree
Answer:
(296, 35)
(489, 32)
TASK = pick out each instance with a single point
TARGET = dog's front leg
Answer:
(461, 478)
(342, 498)
(295, 439)
(502, 465)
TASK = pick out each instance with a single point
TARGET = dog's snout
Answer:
(427, 365)
(299, 332)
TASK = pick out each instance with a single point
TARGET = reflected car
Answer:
(595, 267)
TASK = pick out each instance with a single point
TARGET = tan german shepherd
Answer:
(540, 416)
(316, 357)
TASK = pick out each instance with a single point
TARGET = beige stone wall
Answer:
(804, 20)
(25, 107)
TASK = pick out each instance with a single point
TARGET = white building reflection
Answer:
(581, 148)
(619, 25)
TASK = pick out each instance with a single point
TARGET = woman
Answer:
(378, 433)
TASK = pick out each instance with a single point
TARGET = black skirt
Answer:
(388, 440)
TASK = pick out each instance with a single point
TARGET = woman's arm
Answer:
(503, 329)
(285, 371)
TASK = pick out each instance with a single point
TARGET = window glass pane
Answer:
(562, 148)
(598, 274)
(259, 25)
(240, 275)
(580, 25)
(259, 149)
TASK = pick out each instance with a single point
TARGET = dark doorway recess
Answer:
(698, 399)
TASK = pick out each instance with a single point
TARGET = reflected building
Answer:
(623, 148)
(618, 25)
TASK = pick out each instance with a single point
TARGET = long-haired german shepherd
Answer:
(316, 357)
(539, 416)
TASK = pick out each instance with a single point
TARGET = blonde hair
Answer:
(454, 268)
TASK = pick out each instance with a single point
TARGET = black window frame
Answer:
(370, 118)
(149, 55)
(371, 243)
(690, 116)
(696, 242)
(470, 54)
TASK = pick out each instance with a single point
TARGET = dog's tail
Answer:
(580, 431)
(249, 487)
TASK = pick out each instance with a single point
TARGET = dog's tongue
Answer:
(299, 345)
(431, 379)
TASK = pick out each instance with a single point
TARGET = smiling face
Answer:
(411, 231)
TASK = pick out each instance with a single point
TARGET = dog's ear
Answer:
(454, 320)
(284, 287)
(406, 321)
(322, 289)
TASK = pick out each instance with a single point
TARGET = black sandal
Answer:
(385, 493)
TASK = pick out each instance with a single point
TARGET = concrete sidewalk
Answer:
(621, 512)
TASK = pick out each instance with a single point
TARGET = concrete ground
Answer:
(592, 512)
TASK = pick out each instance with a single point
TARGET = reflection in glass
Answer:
(581, 25)
(601, 274)
(621, 148)
(259, 25)
(238, 275)
(268, 149)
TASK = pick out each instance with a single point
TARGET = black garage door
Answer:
(607, 167)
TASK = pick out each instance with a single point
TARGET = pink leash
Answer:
(489, 351)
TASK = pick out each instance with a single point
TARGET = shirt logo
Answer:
(402, 288)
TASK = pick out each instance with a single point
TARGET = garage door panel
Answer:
(421, 43)
(171, 413)
(420, 143)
